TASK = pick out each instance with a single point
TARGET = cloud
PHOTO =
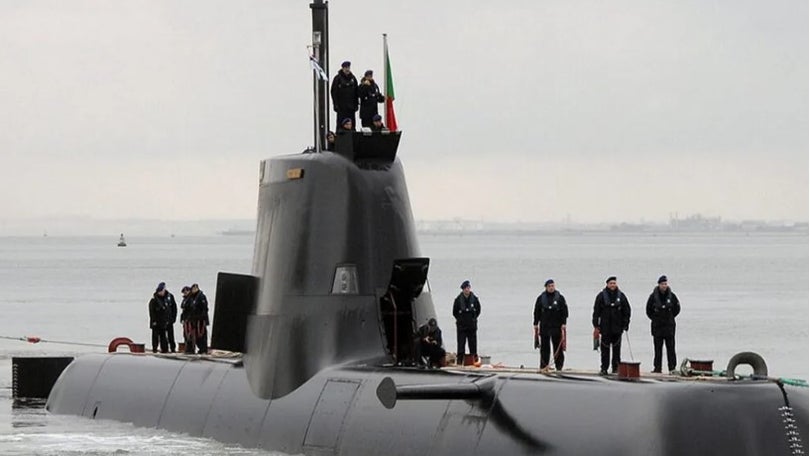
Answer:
(528, 108)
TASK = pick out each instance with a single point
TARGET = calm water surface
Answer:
(739, 292)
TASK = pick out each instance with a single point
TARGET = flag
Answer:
(390, 116)
(317, 68)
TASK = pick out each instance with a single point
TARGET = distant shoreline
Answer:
(479, 232)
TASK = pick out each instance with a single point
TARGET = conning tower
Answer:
(340, 274)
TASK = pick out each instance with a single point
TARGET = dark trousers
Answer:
(343, 115)
(471, 338)
(159, 335)
(672, 360)
(614, 341)
(433, 352)
(170, 337)
(548, 339)
(196, 334)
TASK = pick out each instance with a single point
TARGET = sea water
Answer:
(738, 291)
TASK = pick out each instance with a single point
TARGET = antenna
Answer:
(320, 51)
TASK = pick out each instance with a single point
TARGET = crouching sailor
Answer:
(430, 343)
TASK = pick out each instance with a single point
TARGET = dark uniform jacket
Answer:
(197, 308)
(662, 310)
(432, 333)
(611, 312)
(344, 92)
(551, 311)
(172, 305)
(369, 96)
(185, 307)
(159, 313)
(466, 310)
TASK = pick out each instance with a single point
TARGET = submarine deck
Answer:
(236, 359)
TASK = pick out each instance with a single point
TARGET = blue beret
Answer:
(376, 117)
(549, 282)
(346, 64)
(663, 278)
(465, 284)
(610, 278)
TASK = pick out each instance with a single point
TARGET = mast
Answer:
(385, 76)
(320, 51)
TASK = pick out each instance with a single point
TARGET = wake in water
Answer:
(31, 427)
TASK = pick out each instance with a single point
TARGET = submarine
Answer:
(318, 354)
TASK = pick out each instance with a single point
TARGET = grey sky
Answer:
(511, 111)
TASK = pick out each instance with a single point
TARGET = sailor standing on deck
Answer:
(550, 316)
(611, 316)
(344, 94)
(466, 309)
(197, 321)
(662, 308)
(185, 309)
(172, 308)
(159, 318)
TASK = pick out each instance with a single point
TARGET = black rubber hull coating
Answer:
(338, 412)
(337, 213)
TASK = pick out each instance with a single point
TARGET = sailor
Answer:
(369, 93)
(159, 317)
(346, 126)
(550, 316)
(662, 308)
(185, 306)
(430, 343)
(377, 123)
(172, 308)
(611, 316)
(466, 309)
(344, 93)
(197, 321)
(330, 141)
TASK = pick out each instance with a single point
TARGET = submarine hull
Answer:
(339, 291)
(338, 412)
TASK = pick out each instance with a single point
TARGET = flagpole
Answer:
(385, 71)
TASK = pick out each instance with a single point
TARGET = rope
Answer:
(36, 340)
(560, 345)
(629, 348)
(794, 382)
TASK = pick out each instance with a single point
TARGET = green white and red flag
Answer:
(390, 116)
